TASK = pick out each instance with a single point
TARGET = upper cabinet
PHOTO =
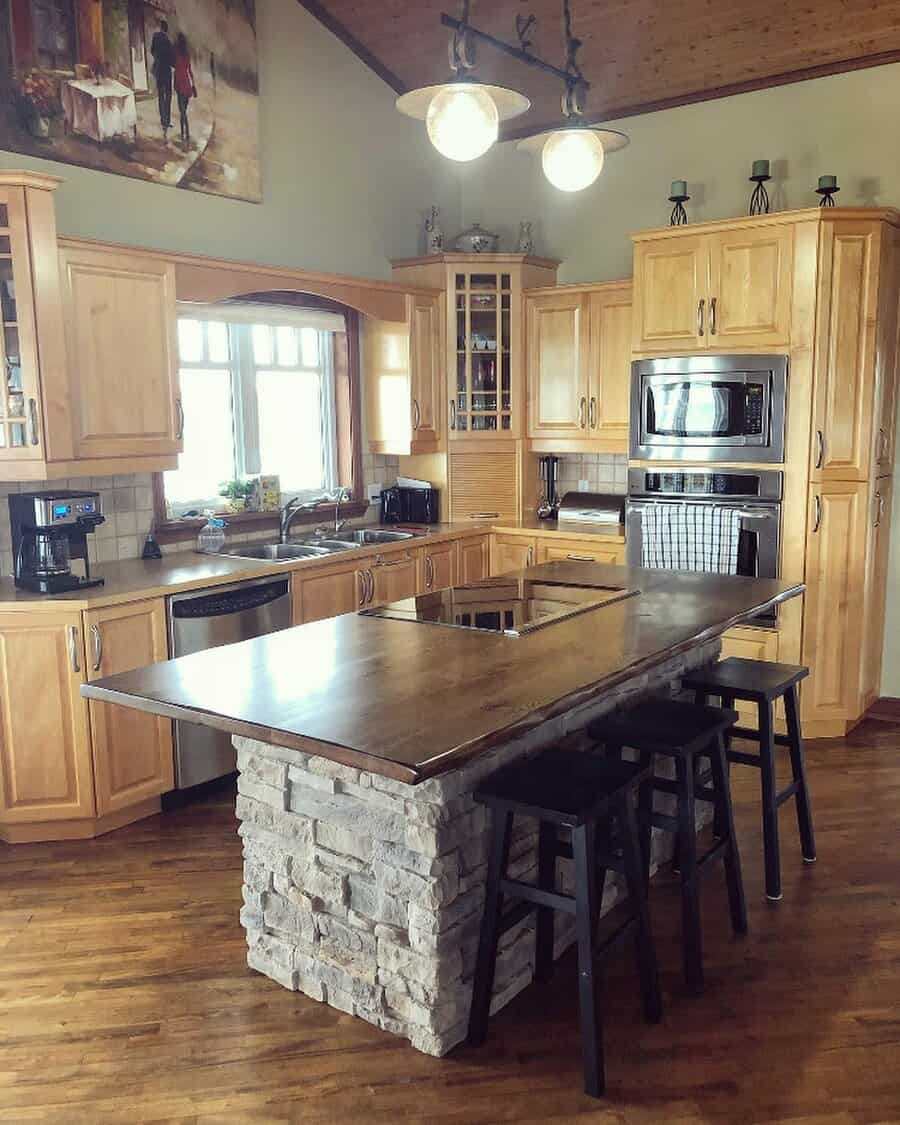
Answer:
(484, 388)
(88, 348)
(725, 290)
(120, 334)
(578, 347)
(404, 378)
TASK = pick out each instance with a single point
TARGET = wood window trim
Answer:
(348, 410)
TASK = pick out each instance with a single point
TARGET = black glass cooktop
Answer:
(513, 606)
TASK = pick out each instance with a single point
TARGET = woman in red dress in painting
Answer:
(185, 88)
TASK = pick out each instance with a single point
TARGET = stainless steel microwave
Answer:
(709, 408)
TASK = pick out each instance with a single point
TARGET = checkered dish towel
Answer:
(700, 537)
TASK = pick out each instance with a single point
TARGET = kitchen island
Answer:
(360, 742)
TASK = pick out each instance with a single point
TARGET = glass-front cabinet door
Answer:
(20, 402)
(483, 399)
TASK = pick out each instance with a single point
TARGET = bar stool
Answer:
(764, 683)
(686, 733)
(594, 800)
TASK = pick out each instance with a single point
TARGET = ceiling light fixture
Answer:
(572, 155)
(462, 116)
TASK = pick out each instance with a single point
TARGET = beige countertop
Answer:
(133, 579)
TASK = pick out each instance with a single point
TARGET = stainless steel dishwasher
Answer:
(203, 619)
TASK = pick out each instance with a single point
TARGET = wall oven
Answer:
(660, 500)
(709, 408)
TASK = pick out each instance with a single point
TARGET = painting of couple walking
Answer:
(162, 90)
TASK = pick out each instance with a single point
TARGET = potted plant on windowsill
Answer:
(235, 493)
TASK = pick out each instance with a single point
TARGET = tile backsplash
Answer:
(604, 472)
(128, 507)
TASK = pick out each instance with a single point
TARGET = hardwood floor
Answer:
(125, 997)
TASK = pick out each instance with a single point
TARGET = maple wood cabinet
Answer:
(132, 751)
(393, 577)
(340, 587)
(580, 550)
(578, 346)
(474, 559)
(726, 289)
(438, 566)
(404, 380)
(512, 552)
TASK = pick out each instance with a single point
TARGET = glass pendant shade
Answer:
(572, 159)
(462, 121)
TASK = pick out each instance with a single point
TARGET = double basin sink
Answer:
(315, 546)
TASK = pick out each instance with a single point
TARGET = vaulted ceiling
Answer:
(637, 54)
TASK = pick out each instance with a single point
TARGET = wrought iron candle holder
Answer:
(759, 200)
(828, 187)
(679, 197)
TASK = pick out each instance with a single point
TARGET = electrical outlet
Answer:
(374, 492)
(583, 486)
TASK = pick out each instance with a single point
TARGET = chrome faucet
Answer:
(293, 507)
(340, 496)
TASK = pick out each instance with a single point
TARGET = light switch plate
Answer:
(374, 492)
(583, 486)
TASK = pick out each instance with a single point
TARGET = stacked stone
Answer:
(367, 893)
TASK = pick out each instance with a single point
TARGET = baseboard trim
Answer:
(886, 709)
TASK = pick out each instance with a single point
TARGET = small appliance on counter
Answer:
(408, 503)
(549, 505)
(601, 509)
(49, 532)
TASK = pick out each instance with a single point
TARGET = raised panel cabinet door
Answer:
(875, 593)
(887, 352)
(671, 293)
(426, 371)
(132, 750)
(329, 592)
(394, 576)
(474, 560)
(438, 566)
(551, 550)
(556, 341)
(845, 371)
(751, 270)
(45, 746)
(610, 316)
(833, 608)
(512, 552)
(120, 330)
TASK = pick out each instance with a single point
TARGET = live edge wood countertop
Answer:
(411, 700)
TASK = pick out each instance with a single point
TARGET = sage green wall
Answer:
(346, 179)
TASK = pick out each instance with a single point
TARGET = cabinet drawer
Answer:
(579, 550)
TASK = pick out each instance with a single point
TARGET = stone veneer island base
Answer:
(366, 893)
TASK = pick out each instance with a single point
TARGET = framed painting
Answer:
(161, 90)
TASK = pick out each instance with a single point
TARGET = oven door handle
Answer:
(750, 513)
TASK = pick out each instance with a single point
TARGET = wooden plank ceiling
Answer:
(637, 54)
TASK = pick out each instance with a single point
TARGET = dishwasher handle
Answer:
(231, 601)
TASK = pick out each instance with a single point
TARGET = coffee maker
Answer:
(549, 505)
(49, 531)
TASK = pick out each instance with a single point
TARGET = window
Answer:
(258, 389)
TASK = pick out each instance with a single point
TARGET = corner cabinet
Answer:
(119, 311)
(578, 349)
(726, 289)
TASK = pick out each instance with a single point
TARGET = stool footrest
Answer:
(786, 793)
(515, 915)
(741, 758)
(537, 896)
(701, 791)
(714, 852)
(753, 735)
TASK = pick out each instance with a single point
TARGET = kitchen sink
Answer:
(276, 552)
(362, 536)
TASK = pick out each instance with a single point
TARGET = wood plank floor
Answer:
(124, 994)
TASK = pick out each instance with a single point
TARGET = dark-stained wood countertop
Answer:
(411, 700)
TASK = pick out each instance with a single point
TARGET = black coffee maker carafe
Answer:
(49, 531)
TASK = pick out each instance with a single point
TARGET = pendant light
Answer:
(462, 116)
(572, 155)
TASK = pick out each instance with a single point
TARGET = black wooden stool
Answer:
(595, 800)
(686, 733)
(763, 683)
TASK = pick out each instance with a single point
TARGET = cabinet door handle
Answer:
(97, 638)
(817, 521)
(452, 413)
(879, 509)
(820, 448)
(701, 304)
(712, 316)
(593, 413)
(529, 557)
(882, 456)
(581, 558)
(429, 572)
(179, 418)
(363, 586)
(370, 586)
(73, 647)
(483, 516)
(33, 422)
(582, 407)
(417, 414)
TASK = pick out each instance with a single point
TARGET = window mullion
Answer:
(328, 419)
(248, 433)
